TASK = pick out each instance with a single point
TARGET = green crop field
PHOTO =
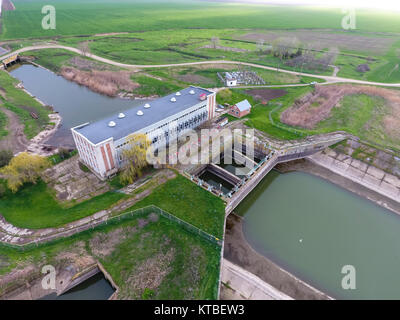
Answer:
(100, 16)
(162, 32)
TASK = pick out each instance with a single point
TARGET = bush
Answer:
(22, 169)
(2, 190)
(5, 157)
(224, 95)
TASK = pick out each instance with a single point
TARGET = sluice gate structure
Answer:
(289, 153)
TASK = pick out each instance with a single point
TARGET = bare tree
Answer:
(84, 47)
(214, 42)
(260, 45)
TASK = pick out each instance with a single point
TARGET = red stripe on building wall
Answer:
(110, 156)
(209, 108)
(105, 158)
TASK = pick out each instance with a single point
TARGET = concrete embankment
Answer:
(238, 284)
(361, 173)
(67, 279)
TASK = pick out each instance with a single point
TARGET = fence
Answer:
(96, 225)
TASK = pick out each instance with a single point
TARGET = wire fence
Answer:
(101, 223)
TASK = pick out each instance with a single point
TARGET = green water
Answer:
(76, 104)
(216, 182)
(313, 228)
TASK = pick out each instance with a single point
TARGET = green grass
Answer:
(99, 16)
(162, 32)
(195, 266)
(22, 104)
(361, 115)
(3, 124)
(187, 201)
(56, 158)
(150, 86)
(188, 275)
(259, 116)
(52, 59)
(35, 207)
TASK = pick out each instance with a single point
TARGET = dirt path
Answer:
(133, 66)
(15, 140)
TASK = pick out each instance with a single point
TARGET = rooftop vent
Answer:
(146, 106)
(112, 124)
(121, 115)
(178, 93)
(139, 113)
(192, 92)
(173, 99)
(203, 97)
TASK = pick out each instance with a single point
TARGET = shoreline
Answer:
(239, 252)
(340, 179)
(36, 144)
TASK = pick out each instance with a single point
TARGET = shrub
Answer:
(5, 157)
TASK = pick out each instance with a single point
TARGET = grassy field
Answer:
(100, 16)
(22, 104)
(259, 116)
(361, 115)
(35, 207)
(188, 202)
(162, 32)
(151, 86)
(187, 266)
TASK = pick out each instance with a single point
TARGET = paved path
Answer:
(133, 66)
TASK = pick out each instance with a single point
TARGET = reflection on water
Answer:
(76, 104)
(313, 228)
(94, 288)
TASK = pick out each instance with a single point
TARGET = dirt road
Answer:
(15, 140)
(329, 79)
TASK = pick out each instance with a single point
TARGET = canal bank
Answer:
(88, 282)
(368, 229)
(68, 99)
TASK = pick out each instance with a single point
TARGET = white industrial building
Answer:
(100, 144)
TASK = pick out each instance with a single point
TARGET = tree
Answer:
(134, 158)
(214, 42)
(5, 157)
(224, 96)
(260, 45)
(84, 47)
(24, 168)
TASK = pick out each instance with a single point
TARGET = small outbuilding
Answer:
(240, 109)
(230, 79)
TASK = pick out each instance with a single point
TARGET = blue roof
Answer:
(243, 105)
(160, 109)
